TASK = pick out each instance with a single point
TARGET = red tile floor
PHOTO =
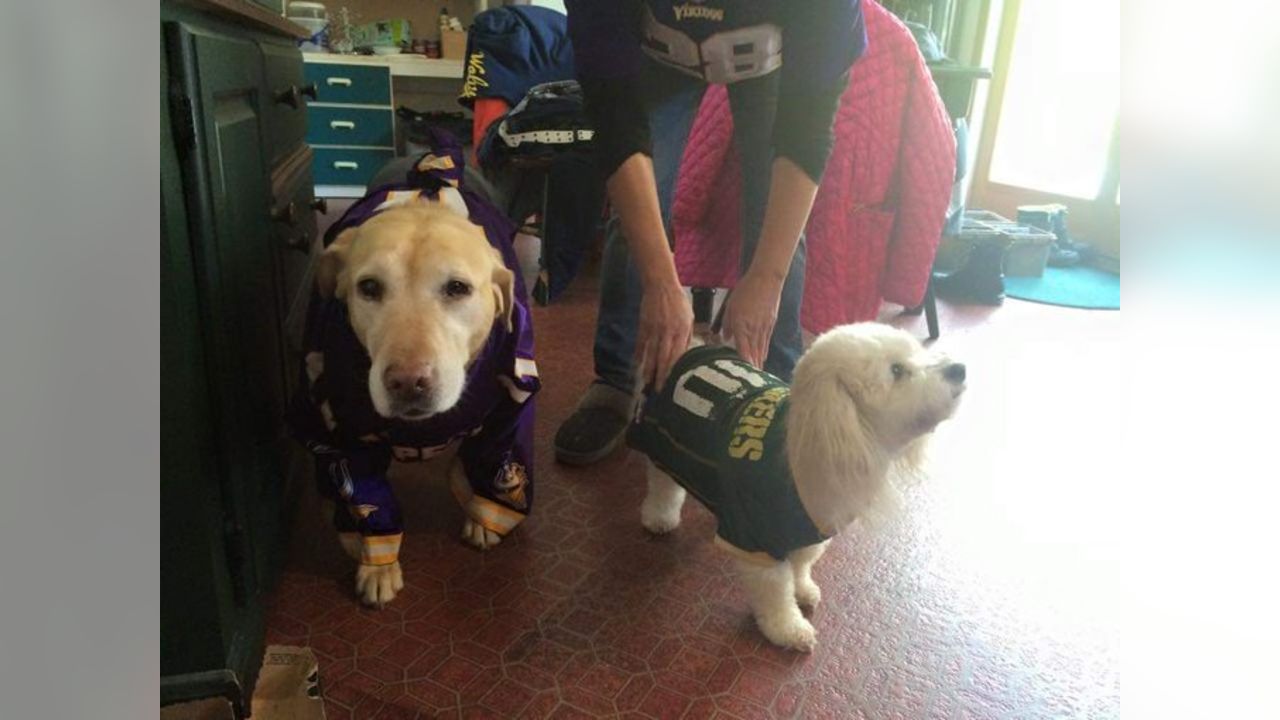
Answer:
(991, 595)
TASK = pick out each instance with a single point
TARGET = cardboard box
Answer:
(453, 44)
(208, 709)
(288, 686)
(288, 689)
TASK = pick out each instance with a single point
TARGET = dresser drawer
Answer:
(356, 84)
(348, 166)
(286, 113)
(349, 126)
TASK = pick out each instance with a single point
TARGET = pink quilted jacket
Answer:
(878, 216)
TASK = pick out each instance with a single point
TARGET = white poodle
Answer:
(783, 469)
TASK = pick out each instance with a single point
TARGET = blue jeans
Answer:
(673, 102)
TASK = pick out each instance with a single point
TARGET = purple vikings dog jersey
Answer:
(718, 429)
(491, 426)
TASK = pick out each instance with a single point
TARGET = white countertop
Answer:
(403, 65)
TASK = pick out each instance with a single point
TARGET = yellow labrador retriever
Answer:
(419, 345)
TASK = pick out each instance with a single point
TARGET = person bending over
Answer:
(644, 66)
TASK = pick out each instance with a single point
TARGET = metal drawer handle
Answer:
(342, 125)
(345, 82)
(345, 165)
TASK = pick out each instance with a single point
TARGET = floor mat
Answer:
(1079, 287)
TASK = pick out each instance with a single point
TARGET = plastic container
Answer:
(954, 250)
(974, 217)
(314, 17)
(1026, 249)
(319, 38)
(307, 11)
(1027, 255)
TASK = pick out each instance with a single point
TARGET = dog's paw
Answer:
(808, 594)
(377, 585)
(475, 535)
(793, 633)
(659, 521)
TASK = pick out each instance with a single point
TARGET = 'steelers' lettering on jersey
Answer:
(747, 442)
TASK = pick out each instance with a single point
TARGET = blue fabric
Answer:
(670, 119)
(575, 198)
(574, 203)
(575, 190)
(511, 49)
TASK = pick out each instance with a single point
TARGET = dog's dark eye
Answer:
(370, 289)
(457, 289)
(899, 371)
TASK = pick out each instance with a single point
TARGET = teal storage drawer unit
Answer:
(350, 124)
(348, 166)
(345, 126)
(350, 84)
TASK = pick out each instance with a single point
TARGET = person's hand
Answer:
(750, 313)
(666, 323)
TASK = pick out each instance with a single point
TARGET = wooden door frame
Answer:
(1096, 220)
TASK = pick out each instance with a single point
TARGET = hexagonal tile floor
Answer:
(988, 596)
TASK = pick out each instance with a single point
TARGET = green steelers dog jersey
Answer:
(718, 428)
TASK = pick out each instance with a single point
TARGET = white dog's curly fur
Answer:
(864, 399)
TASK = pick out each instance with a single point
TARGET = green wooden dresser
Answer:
(238, 244)
(350, 124)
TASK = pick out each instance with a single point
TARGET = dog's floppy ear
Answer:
(331, 263)
(836, 461)
(504, 290)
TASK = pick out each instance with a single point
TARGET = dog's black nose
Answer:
(406, 384)
(954, 373)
